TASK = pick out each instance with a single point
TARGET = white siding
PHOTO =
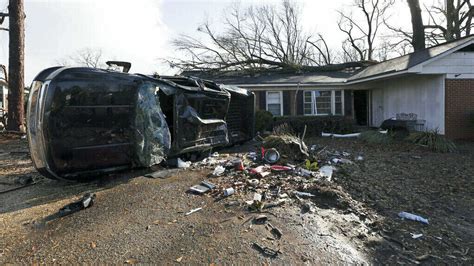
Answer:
(455, 63)
(422, 95)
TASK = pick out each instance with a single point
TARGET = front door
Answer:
(361, 107)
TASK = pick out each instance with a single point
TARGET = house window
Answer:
(274, 102)
(323, 102)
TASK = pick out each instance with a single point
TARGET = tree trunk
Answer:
(16, 119)
(450, 20)
(418, 41)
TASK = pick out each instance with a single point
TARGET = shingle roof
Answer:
(270, 77)
(405, 62)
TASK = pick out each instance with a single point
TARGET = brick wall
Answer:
(459, 102)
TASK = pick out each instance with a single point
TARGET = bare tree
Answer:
(362, 34)
(402, 40)
(16, 63)
(88, 57)
(418, 29)
(258, 37)
(324, 55)
(449, 21)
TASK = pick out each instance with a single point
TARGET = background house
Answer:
(435, 85)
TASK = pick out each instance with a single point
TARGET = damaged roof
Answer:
(339, 77)
(272, 77)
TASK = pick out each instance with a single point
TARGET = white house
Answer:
(435, 85)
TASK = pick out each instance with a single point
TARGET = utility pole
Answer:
(16, 66)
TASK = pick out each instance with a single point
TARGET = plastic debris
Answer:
(415, 236)
(229, 191)
(219, 170)
(85, 202)
(353, 135)
(202, 188)
(253, 182)
(304, 194)
(162, 173)
(342, 160)
(271, 156)
(183, 164)
(413, 217)
(326, 172)
(259, 171)
(303, 172)
(193, 211)
(279, 168)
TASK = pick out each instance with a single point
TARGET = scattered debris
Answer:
(415, 236)
(271, 156)
(275, 231)
(218, 171)
(162, 173)
(202, 188)
(278, 168)
(266, 251)
(183, 164)
(352, 135)
(304, 194)
(260, 219)
(413, 217)
(342, 161)
(289, 145)
(85, 202)
(131, 261)
(229, 191)
(193, 211)
(179, 259)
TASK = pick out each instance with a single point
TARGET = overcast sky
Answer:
(140, 31)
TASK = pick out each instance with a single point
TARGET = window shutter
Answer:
(286, 103)
(262, 100)
(299, 103)
(348, 102)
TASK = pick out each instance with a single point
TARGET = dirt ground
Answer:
(141, 220)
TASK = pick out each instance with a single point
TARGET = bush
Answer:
(375, 137)
(283, 129)
(433, 140)
(263, 121)
(317, 124)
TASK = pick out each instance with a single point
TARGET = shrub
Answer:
(375, 137)
(433, 140)
(263, 120)
(283, 129)
(317, 124)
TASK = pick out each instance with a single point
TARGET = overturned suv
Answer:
(87, 121)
